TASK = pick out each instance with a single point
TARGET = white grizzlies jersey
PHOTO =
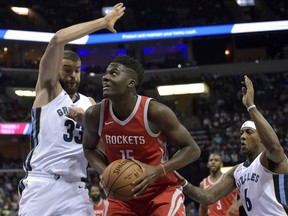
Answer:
(56, 140)
(262, 193)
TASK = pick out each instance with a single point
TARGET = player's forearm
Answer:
(77, 31)
(96, 160)
(199, 194)
(183, 157)
(267, 135)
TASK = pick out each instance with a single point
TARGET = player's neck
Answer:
(214, 176)
(73, 96)
(98, 203)
(124, 108)
(251, 157)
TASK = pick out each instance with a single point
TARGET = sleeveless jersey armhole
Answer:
(101, 119)
(146, 122)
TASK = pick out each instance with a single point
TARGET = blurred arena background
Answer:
(219, 60)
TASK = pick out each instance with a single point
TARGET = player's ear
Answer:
(132, 83)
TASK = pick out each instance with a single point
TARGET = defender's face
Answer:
(116, 80)
(214, 163)
(69, 75)
(250, 141)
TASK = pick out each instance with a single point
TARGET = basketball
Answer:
(118, 176)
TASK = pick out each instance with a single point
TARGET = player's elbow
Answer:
(57, 39)
(195, 153)
(277, 155)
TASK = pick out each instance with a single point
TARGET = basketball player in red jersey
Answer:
(225, 206)
(136, 127)
(99, 202)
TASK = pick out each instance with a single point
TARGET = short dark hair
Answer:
(216, 153)
(68, 54)
(133, 64)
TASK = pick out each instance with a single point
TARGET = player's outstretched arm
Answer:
(211, 195)
(203, 209)
(274, 150)
(50, 62)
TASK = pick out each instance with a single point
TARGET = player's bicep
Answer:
(90, 122)
(50, 64)
(167, 122)
(179, 135)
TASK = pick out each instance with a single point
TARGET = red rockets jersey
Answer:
(220, 208)
(132, 138)
(100, 208)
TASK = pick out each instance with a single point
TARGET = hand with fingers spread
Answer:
(116, 13)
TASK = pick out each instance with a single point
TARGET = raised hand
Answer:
(247, 92)
(116, 13)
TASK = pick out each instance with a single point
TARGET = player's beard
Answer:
(68, 87)
(214, 169)
(96, 198)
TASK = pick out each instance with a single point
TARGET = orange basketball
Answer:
(118, 176)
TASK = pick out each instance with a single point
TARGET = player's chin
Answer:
(72, 88)
(107, 94)
(213, 169)
(70, 91)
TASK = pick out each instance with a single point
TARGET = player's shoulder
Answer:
(92, 115)
(92, 108)
(157, 107)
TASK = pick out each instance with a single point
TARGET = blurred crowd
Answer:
(9, 197)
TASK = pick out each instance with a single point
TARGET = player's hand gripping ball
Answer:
(117, 178)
